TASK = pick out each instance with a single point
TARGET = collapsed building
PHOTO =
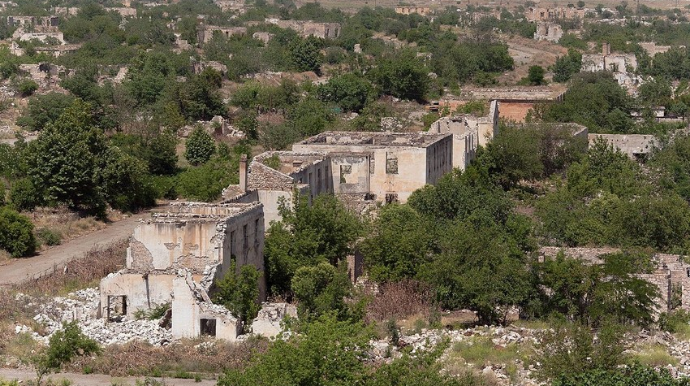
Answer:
(550, 32)
(515, 102)
(361, 168)
(635, 146)
(175, 256)
(206, 32)
(309, 28)
(669, 273)
(534, 14)
(468, 132)
(621, 65)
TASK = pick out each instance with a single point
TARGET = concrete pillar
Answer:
(243, 172)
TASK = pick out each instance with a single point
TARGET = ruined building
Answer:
(551, 32)
(174, 257)
(424, 11)
(309, 28)
(205, 32)
(670, 273)
(549, 14)
(468, 132)
(622, 65)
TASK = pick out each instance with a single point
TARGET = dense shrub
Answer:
(16, 233)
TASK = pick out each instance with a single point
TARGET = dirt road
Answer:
(96, 379)
(19, 270)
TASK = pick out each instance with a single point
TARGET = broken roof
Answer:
(372, 139)
(200, 211)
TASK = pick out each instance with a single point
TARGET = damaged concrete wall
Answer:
(400, 163)
(633, 145)
(198, 238)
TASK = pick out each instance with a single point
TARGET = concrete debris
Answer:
(83, 306)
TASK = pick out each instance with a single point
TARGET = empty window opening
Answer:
(391, 165)
(391, 198)
(344, 170)
(208, 327)
(117, 308)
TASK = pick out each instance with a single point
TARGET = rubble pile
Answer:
(83, 306)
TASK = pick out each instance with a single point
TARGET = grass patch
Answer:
(534, 324)
(481, 351)
(655, 355)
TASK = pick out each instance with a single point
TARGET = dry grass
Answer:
(187, 356)
(401, 300)
(64, 222)
(655, 355)
(80, 273)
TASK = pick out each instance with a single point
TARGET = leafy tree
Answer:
(310, 116)
(239, 292)
(480, 267)
(402, 76)
(326, 352)
(536, 75)
(63, 346)
(306, 236)
(305, 54)
(126, 181)
(571, 349)
(44, 109)
(159, 150)
(566, 66)
(398, 245)
(16, 233)
(206, 182)
(350, 92)
(65, 160)
(629, 375)
(592, 294)
(321, 289)
(199, 147)
(590, 100)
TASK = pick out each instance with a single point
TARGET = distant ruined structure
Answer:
(176, 256)
(551, 32)
(670, 273)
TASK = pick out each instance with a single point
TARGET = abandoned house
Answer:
(205, 32)
(468, 132)
(387, 167)
(551, 32)
(175, 256)
(669, 273)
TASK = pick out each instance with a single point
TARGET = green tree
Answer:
(199, 147)
(63, 346)
(239, 292)
(571, 349)
(321, 289)
(306, 236)
(402, 76)
(349, 92)
(126, 181)
(305, 54)
(629, 375)
(566, 66)
(536, 75)
(44, 109)
(16, 233)
(65, 160)
(326, 352)
(398, 245)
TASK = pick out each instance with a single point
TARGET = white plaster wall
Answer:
(185, 311)
(168, 241)
(140, 296)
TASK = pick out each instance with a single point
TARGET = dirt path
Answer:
(96, 379)
(19, 270)
(526, 53)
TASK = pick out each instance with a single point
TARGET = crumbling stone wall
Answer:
(633, 145)
(671, 274)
